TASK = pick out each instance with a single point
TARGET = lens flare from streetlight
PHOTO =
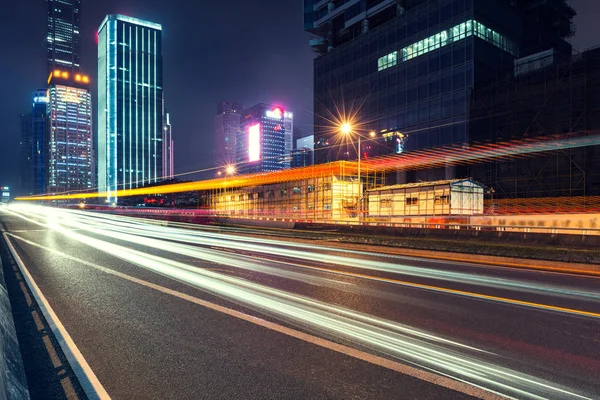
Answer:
(346, 128)
(230, 170)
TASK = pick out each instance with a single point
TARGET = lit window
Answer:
(454, 34)
(387, 61)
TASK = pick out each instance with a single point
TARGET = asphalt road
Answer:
(165, 312)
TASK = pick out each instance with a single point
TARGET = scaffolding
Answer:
(317, 193)
(439, 198)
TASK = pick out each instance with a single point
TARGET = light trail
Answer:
(432, 158)
(306, 252)
(427, 350)
(154, 237)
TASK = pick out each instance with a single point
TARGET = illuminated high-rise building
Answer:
(63, 37)
(408, 69)
(130, 104)
(260, 143)
(38, 150)
(168, 149)
(227, 125)
(288, 135)
(69, 153)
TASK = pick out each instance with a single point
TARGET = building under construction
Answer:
(317, 193)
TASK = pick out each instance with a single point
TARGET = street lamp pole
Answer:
(359, 181)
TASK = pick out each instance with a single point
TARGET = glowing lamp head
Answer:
(230, 169)
(64, 75)
(57, 73)
(85, 79)
(346, 128)
(372, 133)
(78, 78)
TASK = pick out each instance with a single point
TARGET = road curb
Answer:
(13, 382)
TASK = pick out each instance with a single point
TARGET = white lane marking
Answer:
(87, 378)
(439, 380)
(178, 271)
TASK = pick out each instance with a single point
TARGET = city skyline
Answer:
(289, 86)
(194, 133)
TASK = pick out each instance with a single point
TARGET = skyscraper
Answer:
(288, 123)
(63, 39)
(409, 67)
(33, 145)
(39, 123)
(260, 141)
(70, 161)
(168, 149)
(130, 104)
(227, 125)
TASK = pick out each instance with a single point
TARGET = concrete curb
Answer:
(13, 383)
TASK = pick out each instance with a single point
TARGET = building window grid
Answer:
(448, 36)
(387, 61)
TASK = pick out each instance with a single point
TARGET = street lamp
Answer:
(346, 129)
(229, 170)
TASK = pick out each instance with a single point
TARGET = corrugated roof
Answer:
(425, 184)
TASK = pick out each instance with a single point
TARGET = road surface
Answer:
(166, 312)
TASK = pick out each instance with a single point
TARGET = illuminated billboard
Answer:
(275, 113)
(254, 143)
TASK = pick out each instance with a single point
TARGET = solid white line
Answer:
(430, 377)
(87, 379)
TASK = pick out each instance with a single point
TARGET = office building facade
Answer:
(288, 123)
(260, 142)
(168, 149)
(38, 150)
(63, 36)
(130, 104)
(303, 155)
(546, 98)
(227, 125)
(69, 153)
(406, 70)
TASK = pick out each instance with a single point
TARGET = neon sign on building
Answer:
(254, 143)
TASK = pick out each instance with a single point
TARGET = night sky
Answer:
(253, 51)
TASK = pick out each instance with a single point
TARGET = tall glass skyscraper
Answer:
(227, 125)
(39, 121)
(407, 69)
(33, 145)
(130, 104)
(70, 161)
(260, 142)
(168, 149)
(63, 39)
